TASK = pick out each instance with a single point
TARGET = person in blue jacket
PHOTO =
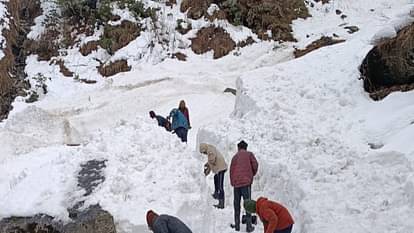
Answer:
(163, 122)
(165, 223)
(179, 124)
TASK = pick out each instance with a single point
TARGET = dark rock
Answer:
(321, 42)
(389, 66)
(246, 42)
(344, 16)
(92, 220)
(338, 12)
(352, 29)
(230, 90)
(375, 146)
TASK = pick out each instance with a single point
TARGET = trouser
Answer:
(286, 230)
(218, 184)
(240, 192)
(182, 133)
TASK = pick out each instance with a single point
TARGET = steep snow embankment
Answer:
(309, 122)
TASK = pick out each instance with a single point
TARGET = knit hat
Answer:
(250, 206)
(151, 215)
(152, 114)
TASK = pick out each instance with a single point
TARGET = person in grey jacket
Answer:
(165, 223)
(217, 164)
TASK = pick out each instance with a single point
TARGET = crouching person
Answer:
(218, 165)
(275, 217)
(165, 223)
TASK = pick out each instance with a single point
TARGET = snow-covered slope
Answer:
(308, 121)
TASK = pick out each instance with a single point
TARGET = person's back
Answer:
(243, 168)
(178, 119)
(161, 120)
(169, 224)
(284, 219)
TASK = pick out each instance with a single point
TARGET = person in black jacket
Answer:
(163, 122)
(165, 223)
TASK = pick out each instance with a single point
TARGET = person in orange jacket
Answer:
(275, 217)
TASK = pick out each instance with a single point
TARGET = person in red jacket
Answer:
(184, 110)
(243, 168)
(275, 217)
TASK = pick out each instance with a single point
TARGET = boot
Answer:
(235, 227)
(220, 205)
(215, 195)
(249, 228)
(236, 224)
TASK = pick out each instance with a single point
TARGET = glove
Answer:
(206, 169)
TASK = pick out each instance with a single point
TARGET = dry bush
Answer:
(116, 37)
(87, 48)
(322, 42)
(114, 68)
(195, 8)
(213, 38)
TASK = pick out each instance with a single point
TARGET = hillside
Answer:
(338, 159)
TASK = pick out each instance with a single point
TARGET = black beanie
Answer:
(242, 145)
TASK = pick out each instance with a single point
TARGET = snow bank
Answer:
(308, 128)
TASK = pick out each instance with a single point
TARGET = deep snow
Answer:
(308, 121)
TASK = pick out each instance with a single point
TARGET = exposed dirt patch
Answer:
(116, 37)
(114, 68)
(180, 56)
(262, 16)
(87, 48)
(63, 69)
(389, 66)
(213, 38)
(45, 48)
(322, 42)
(12, 75)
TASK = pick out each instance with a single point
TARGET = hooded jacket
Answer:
(273, 215)
(178, 119)
(216, 160)
(169, 224)
(243, 168)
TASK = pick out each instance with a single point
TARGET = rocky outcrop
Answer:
(12, 75)
(92, 220)
(268, 19)
(389, 66)
(213, 38)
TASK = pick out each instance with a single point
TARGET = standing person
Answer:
(275, 217)
(243, 168)
(179, 124)
(165, 223)
(163, 122)
(218, 165)
(184, 110)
